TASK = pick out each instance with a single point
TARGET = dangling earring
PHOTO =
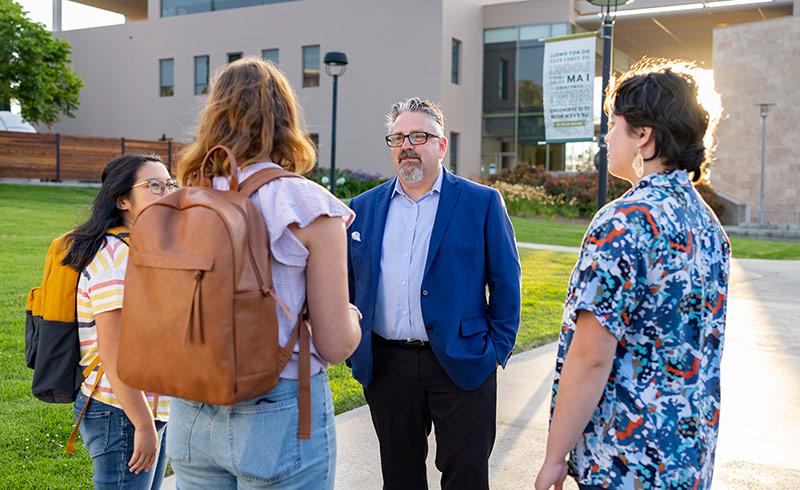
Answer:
(638, 163)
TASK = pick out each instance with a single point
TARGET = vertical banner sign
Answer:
(568, 80)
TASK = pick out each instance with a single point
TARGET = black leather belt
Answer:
(407, 343)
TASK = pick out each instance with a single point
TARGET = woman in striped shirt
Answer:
(123, 428)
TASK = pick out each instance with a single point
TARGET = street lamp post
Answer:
(608, 9)
(764, 110)
(335, 66)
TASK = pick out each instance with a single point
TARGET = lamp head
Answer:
(335, 63)
(609, 3)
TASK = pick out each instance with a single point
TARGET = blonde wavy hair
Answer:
(253, 111)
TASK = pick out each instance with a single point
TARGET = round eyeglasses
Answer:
(416, 138)
(158, 187)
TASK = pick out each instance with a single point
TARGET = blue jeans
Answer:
(107, 434)
(253, 444)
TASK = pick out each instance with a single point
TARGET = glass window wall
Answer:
(513, 122)
(171, 8)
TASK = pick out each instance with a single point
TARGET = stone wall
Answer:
(756, 63)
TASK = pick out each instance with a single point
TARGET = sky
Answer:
(73, 15)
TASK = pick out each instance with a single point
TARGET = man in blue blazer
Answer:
(433, 267)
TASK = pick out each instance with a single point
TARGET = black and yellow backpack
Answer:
(52, 345)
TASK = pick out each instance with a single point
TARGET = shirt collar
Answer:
(437, 186)
(662, 179)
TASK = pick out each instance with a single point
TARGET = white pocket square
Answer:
(356, 236)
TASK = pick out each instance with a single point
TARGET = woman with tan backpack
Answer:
(252, 113)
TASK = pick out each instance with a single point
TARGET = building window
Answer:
(170, 8)
(311, 66)
(166, 76)
(453, 147)
(272, 55)
(455, 69)
(201, 75)
(314, 137)
(502, 79)
(234, 56)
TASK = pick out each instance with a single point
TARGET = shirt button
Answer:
(429, 328)
(424, 292)
(404, 283)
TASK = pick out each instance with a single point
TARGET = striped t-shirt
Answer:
(100, 289)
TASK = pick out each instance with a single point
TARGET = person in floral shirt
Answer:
(636, 395)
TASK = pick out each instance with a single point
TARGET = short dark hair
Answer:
(663, 94)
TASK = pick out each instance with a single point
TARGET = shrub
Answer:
(349, 183)
(578, 189)
(528, 200)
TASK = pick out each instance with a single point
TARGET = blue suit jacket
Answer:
(472, 247)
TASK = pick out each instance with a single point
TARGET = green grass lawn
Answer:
(33, 433)
(544, 284)
(555, 232)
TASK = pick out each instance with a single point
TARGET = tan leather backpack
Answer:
(199, 316)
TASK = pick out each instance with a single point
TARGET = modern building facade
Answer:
(146, 78)
(482, 59)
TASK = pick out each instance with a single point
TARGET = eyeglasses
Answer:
(416, 138)
(158, 187)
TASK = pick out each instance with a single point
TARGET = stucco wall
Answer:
(462, 20)
(527, 12)
(394, 52)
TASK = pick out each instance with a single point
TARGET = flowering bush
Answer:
(531, 200)
(527, 190)
(575, 194)
(572, 194)
(349, 183)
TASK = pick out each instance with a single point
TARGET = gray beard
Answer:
(411, 173)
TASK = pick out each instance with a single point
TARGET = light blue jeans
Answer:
(253, 444)
(107, 434)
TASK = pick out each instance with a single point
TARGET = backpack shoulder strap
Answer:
(73, 436)
(54, 299)
(304, 371)
(120, 232)
(263, 177)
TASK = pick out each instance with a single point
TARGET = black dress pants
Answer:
(409, 392)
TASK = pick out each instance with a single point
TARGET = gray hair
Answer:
(415, 104)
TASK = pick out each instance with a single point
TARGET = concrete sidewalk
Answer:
(523, 394)
(759, 443)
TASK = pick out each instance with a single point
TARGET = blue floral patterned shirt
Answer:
(654, 270)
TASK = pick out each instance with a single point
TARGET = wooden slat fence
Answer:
(29, 156)
(57, 157)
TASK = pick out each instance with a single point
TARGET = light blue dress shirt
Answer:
(406, 236)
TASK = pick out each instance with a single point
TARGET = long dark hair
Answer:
(663, 94)
(118, 177)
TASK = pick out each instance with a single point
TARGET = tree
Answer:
(35, 68)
